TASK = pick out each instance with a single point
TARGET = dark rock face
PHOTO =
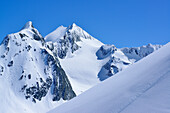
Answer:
(5, 41)
(22, 35)
(58, 85)
(105, 51)
(138, 53)
(69, 41)
(29, 76)
(37, 91)
(107, 71)
(36, 37)
(110, 67)
(35, 84)
(61, 87)
(115, 63)
(1, 70)
(10, 63)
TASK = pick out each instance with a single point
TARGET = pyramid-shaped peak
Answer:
(28, 25)
(73, 26)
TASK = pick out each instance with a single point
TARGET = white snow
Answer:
(141, 88)
(82, 67)
(28, 25)
(56, 34)
(31, 62)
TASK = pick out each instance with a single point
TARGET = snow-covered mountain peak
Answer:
(28, 31)
(74, 25)
(78, 31)
(28, 25)
(72, 31)
(69, 61)
(65, 39)
(31, 71)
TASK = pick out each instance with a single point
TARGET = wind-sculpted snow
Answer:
(141, 88)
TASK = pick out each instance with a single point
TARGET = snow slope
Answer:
(141, 88)
(78, 57)
(86, 60)
(82, 67)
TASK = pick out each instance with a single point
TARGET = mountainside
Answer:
(31, 71)
(37, 72)
(86, 60)
(141, 88)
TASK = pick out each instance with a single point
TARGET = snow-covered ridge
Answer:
(137, 53)
(61, 31)
(65, 40)
(43, 73)
(142, 88)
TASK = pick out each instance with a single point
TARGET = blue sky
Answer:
(124, 23)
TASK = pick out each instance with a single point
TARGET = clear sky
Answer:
(124, 23)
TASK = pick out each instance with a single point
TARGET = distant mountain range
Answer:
(38, 74)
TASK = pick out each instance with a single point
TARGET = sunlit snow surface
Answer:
(141, 88)
(56, 34)
(83, 67)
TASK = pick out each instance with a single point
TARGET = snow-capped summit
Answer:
(43, 73)
(71, 31)
(30, 74)
(28, 25)
(78, 31)
(73, 26)
(65, 39)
